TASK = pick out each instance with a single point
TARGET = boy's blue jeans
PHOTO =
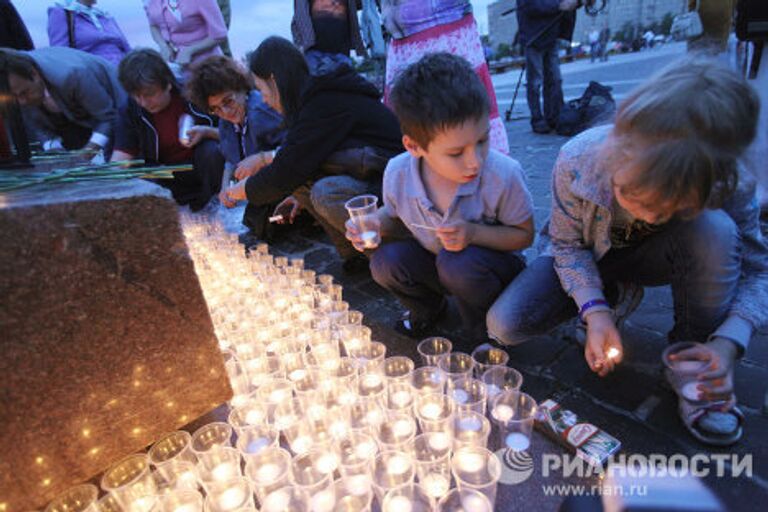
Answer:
(474, 276)
(700, 258)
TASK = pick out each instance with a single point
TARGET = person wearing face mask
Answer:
(249, 130)
(68, 98)
(79, 24)
(326, 30)
(150, 128)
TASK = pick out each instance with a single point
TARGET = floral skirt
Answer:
(458, 38)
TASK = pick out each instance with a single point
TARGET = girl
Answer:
(658, 198)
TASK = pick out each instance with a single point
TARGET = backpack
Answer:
(595, 106)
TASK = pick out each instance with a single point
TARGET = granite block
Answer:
(106, 338)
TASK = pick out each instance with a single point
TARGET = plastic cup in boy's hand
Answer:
(363, 226)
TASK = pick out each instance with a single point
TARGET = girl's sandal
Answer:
(712, 425)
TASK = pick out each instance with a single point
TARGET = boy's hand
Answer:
(233, 194)
(455, 236)
(353, 235)
(602, 335)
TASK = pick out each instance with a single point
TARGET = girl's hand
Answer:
(716, 381)
(602, 335)
(249, 166)
(455, 236)
(288, 208)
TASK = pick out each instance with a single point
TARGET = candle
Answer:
(612, 353)
(688, 366)
(400, 399)
(493, 390)
(517, 441)
(257, 444)
(187, 508)
(690, 391)
(285, 420)
(187, 480)
(436, 485)
(399, 504)
(439, 441)
(470, 424)
(224, 471)
(402, 428)
(267, 473)
(365, 449)
(324, 501)
(398, 465)
(254, 417)
(297, 375)
(430, 411)
(372, 381)
(339, 429)
(327, 463)
(460, 396)
(470, 462)
(278, 396)
(301, 444)
(232, 499)
(503, 413)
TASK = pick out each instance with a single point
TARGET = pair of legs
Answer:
(542, 68)
(699, 258)
(197, 186)
(419, 279)
(324, 200)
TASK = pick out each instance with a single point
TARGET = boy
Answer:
(467, 208)
(148, 128)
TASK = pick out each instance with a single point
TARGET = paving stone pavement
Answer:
(634, 403)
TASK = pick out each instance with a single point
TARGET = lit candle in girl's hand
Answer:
(612, 353)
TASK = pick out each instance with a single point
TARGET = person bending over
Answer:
(149, 128)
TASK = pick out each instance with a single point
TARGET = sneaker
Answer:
(418, 328)
(541, 126)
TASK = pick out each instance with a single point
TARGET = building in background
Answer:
(624, 17)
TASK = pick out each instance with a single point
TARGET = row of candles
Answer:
(321, 419)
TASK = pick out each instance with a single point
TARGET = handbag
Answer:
(71, 28)
(687, 25)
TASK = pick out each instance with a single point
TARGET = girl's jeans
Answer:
(700, 258)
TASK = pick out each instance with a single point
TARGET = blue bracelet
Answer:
(590, 304)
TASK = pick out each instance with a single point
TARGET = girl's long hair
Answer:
(279, 58)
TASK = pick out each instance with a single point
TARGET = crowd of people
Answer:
(656, 197)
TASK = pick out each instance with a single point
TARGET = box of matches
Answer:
(588, 442)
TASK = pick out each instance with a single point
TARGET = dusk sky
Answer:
(252, 20)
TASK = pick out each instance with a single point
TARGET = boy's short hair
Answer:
(686, 128)
(215, 75)
(143, 68)
(438, 92)
(17, 63)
